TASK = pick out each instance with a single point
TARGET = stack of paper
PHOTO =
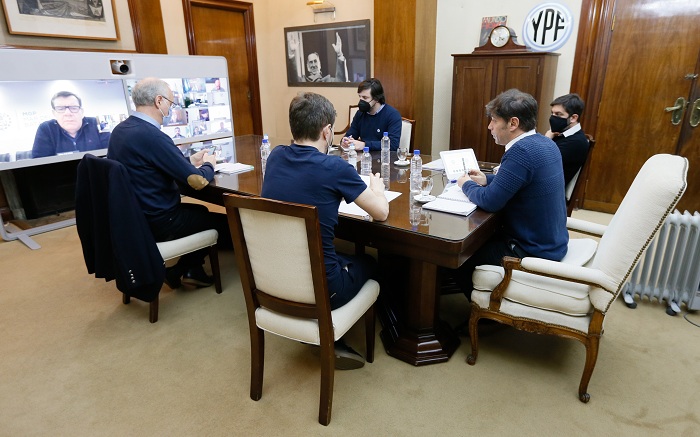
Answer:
(232, 167)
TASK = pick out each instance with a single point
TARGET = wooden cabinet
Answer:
(478, 78)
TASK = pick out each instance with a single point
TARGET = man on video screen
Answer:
(69, 131)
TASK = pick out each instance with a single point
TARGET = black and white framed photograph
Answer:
(84, 19)
(334, 54)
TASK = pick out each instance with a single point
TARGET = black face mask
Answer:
(558, 124)
(364, 106)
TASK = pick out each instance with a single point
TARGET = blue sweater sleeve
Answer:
(512, 176)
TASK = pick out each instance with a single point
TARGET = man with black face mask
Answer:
(373, 119)
(566, 132)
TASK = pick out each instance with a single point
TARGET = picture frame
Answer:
(328, 55)
(82, 19)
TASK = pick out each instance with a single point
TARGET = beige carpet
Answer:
(76, 362)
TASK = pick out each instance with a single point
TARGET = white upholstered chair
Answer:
(407, 133)
(352, 110)
(279, 253)
(570, 301)
(116, 240)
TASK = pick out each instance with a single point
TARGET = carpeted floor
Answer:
(77, 362)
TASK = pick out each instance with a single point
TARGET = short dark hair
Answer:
(514, 103)
(65, 94)
(572, 104)
(375, 89)
(308, 114)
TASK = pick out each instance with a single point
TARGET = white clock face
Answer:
(500, 36)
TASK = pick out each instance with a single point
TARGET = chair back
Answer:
(279, 254)
(654, 193)
(407, 128)
(352, 110)
(576, 186)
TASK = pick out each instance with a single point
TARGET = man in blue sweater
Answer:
(373, 118)
(156, 168)
(527, 187)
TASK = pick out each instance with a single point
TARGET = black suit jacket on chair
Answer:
(116, 239)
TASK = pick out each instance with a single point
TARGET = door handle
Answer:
(676, 111)
(695, 114)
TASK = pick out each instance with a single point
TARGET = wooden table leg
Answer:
(409, 300)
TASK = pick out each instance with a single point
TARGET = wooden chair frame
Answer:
(320, 311)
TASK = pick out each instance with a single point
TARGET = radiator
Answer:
(669, 270)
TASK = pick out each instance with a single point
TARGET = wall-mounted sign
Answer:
(547, 27)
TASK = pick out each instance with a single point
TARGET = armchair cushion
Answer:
(306, 330)
(579, 323)
(542, 292)
(536, 291)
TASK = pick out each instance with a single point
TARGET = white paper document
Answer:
(458, 162)
(353, 209)
(452, 200)
(232, 167)
(434, 165)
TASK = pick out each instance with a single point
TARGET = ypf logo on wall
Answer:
(547, 27)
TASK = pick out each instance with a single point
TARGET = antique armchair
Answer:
(547, 297)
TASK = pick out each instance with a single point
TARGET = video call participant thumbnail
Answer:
(69, 131)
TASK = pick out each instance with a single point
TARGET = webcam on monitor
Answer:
(120, 67)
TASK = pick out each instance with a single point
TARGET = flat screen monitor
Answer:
(31, 128)
(38, 127)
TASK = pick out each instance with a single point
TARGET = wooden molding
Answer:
(147, 24)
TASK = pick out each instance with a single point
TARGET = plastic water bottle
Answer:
(366, 163)
(386, 149)
(352, 155)
(416, 172)
(264, 153)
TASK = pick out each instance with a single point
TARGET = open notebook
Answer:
(452, 200)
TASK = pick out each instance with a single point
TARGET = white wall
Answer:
(458, 30)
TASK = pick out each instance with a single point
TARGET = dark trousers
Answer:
(360, 268)
(186, 220)
(491, 253)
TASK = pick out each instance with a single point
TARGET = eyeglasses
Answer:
(62, 109)
(171, 102)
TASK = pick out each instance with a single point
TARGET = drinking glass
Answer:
(402, 154)
(426, 186)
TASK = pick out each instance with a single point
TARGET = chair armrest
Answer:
(551, 269)
(568, 272)
(585, 227)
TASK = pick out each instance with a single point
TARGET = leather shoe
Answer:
(346, 358)
(198, 278)
(172, 277)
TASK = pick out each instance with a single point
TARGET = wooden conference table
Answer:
(411, 244)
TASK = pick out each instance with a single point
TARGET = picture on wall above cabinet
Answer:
(83, 19)
(336, 54)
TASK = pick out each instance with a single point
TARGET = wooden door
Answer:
(471, 90)
(653, 60)
(225, 28)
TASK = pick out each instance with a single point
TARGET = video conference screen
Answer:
(84, 112)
